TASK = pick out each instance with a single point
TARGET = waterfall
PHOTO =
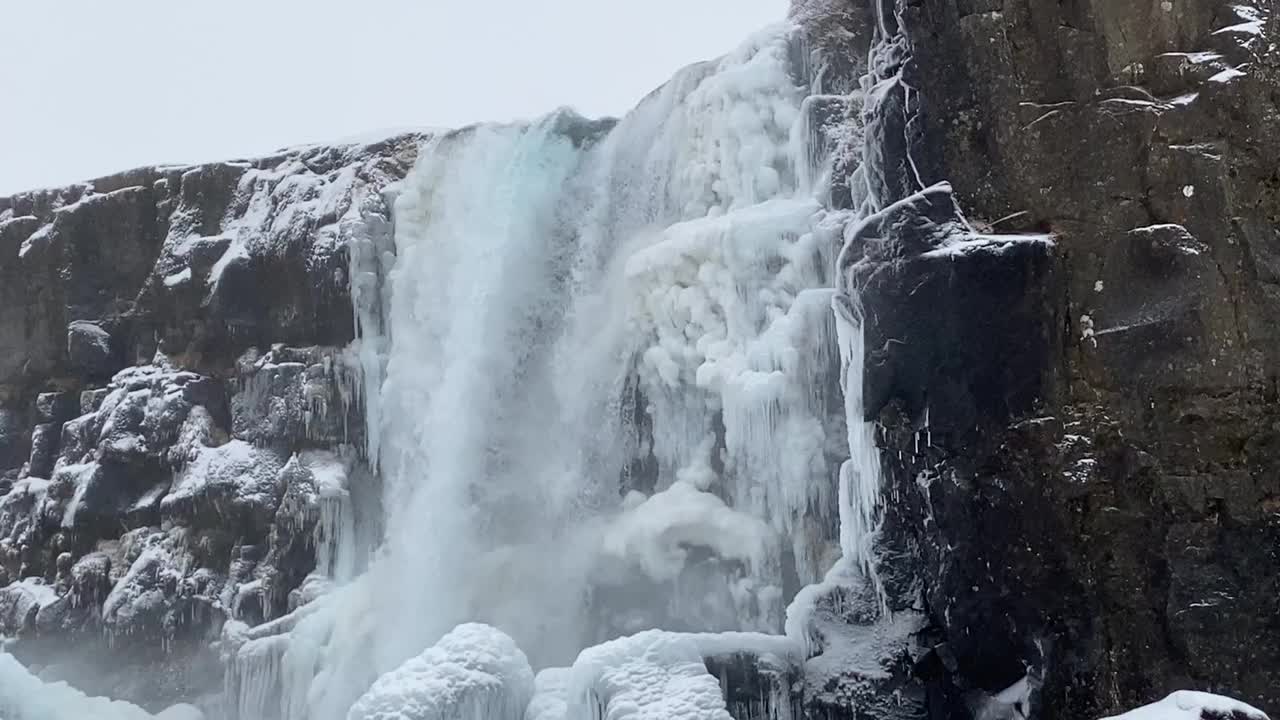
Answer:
(548, 278)
(595, 363)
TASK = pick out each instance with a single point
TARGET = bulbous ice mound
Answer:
(474, 673)
(1192, 705)
(653, 675)
(24, 696)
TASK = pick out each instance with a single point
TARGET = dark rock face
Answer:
(176, 422)
(89, 349)
(1079, 436)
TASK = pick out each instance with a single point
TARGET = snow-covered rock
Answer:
(163, 590)
(21, 602)
(653, 675)
(235, 481)
(854, 648)
(474, 673)
(1193, 705)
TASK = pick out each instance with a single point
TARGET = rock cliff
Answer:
(175, 417)
(1067, 274)
(1071, 348)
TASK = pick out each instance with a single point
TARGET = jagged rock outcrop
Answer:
(1079, 435)
(177, 424)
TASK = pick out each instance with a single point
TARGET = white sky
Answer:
(96, 86)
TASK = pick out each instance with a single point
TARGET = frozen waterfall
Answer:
(567, 298)
(601, 367)
(600, 380)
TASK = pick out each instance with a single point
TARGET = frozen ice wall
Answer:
(599, 376)
(577, 309)
(599, 373)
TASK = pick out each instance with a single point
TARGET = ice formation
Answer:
(473, 673)
(22, 601)
(1193, 705)
(538, 272)
(565, 307)
(574, 303)
(650, 676)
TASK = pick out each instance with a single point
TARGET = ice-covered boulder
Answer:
(168, 588)
(653, 675)
(235, 482)
(659, 675)
(662, 675)
(289, 395)
(1193, 705)
(21, 602)
(22, 513)
(475, 672)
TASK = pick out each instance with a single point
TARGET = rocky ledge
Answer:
(176, 422)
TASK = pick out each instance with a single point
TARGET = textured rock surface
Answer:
(175, 417)
(1070, 297)
(1081, 438)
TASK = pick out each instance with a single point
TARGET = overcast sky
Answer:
(91, 87)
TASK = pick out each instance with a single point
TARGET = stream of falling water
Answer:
(598, 386)
(547, 280)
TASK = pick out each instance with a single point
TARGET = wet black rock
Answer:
(89, 349)
(1079, 436)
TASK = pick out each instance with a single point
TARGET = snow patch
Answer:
(179, 278)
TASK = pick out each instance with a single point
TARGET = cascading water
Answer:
(597, 384)
(545, 279)
(596, 362)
